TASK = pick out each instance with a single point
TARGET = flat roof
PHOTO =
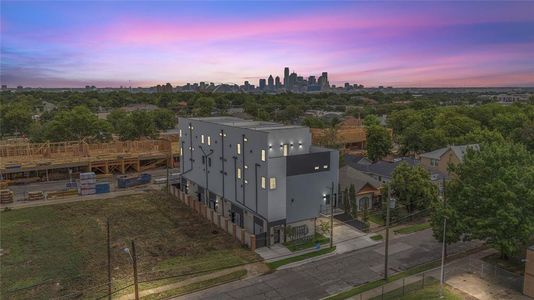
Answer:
(247, 124)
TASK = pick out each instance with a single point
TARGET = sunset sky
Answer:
(402, 44)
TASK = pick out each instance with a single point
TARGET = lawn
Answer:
(376, 217)
(60, 250)
(377, 237)
(301, 245)
(431, 292)
(276, 264)
(513, 264)
(412, 228)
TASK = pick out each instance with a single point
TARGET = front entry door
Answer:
(277, 235)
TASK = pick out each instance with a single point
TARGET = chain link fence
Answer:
(398, 288)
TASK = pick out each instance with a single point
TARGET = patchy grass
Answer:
(412, 228)
(412, 271)
(60, 250)
(430, 292)
(276, 264)
(198, 285)
(513, 265)
(376, 217)
(301, 245)
(374, 284)
(377, 237)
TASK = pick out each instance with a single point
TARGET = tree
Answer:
(371, 120)
(117, 118)
(15, 118)
(412, 187)
(138, 124)
(352, 198)
(491, 196)
(324, 227)
(164, 119)
(203, 106)
(378, 142)
(76, 124)
(346, 201)
(313, 122)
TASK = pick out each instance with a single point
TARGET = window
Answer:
(203, 159)
(285, 150)
(202, 139)
(262, 155)
(238, 148)
(434, 162)
(209, 161)
(263, 182)
(316, 167)
(181, 151)
(325, 167)
(180, 134)
(272, 183)
(239, 173)
(209, 140)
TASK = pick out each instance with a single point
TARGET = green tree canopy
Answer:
(491, 197)
(412, 187)
(75, 124)
(378, 142)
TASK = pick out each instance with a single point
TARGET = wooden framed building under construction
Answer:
(23, 162)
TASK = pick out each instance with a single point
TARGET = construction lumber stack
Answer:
(35, 196)
(87, 183)
(6, 196)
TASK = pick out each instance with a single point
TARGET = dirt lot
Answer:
(60, 250)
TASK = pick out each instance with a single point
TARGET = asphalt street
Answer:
(334, 274)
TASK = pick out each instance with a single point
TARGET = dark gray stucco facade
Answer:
(256, 172)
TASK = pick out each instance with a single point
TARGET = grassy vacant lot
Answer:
(60, 250)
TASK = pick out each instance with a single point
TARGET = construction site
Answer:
(24, 162)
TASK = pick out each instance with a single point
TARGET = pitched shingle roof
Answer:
(459, 151)
(380, 168)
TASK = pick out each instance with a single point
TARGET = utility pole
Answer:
(168, 177)
(134, 258)
(443, 249)
(388, 202)
(332, 216)
(109, 262)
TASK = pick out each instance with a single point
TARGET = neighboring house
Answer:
(263, 176)
(438, 161)
(381, 170)
(367, 188)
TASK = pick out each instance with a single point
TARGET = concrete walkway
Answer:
(346, 239)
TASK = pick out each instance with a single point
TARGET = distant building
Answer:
(277, 82)
(286, 78)
(270, 82)
(262, 84)
(4, 87)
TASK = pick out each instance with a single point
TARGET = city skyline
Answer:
(415, 44)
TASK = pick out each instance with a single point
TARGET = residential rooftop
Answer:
(459, 150)
(247, 124)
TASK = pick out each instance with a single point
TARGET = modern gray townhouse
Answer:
(265, 177)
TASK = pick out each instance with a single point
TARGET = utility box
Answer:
(528, 286)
